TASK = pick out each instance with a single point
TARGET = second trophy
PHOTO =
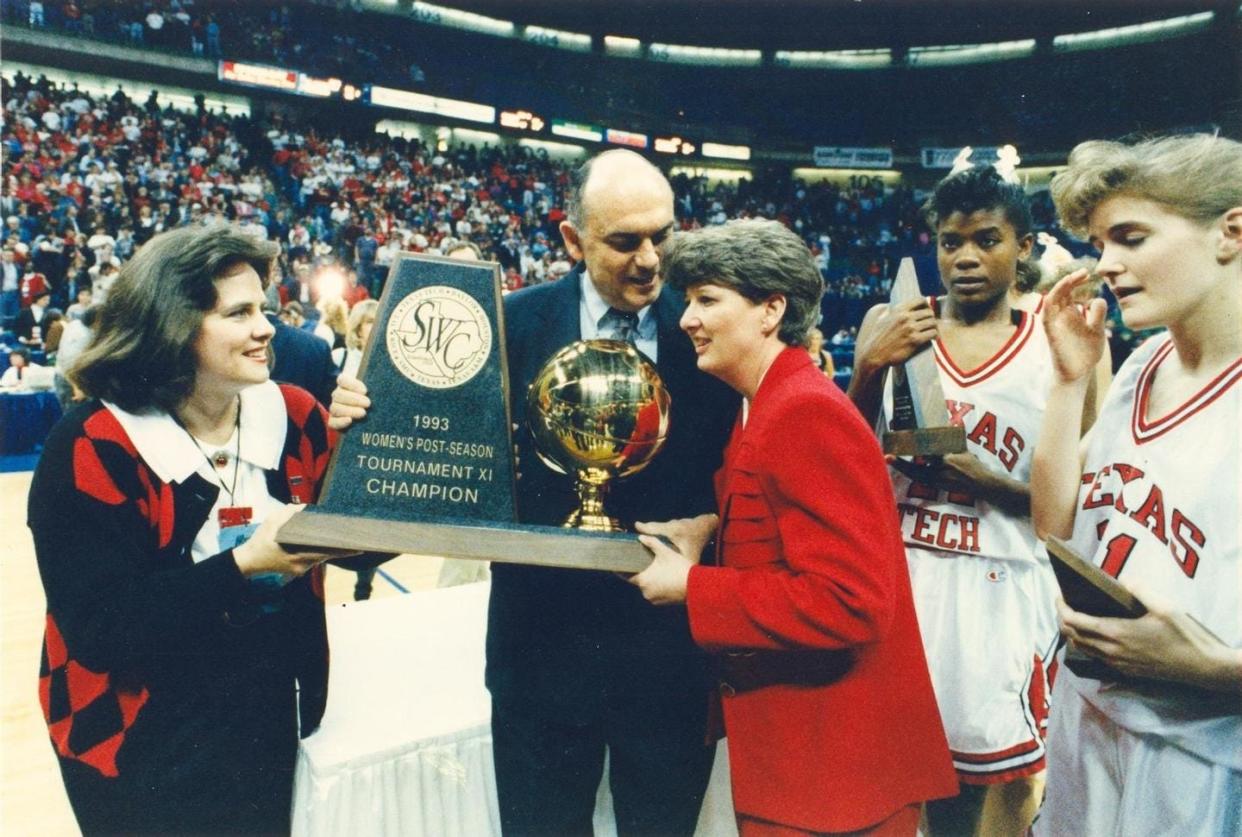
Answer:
(597, 410)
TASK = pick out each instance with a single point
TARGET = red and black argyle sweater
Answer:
(132, 620)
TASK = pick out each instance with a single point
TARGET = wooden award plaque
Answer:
(919, 425)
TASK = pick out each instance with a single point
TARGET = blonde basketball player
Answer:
(1152, 494)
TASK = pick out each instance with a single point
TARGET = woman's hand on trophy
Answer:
(895, 334)
(676, 546)
(665, 579)
(262, 554)
(689, 535)
(349, 402)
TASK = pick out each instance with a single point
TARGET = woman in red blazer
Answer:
(831, 719)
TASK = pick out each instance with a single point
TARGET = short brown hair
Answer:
(757, 259)
(142, 355)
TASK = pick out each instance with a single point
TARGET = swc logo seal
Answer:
(439, 337)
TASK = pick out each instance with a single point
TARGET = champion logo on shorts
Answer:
(997, 575)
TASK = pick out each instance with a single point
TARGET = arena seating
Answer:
(84, 172)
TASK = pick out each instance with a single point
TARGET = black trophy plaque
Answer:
(919, 425)
(430, 470)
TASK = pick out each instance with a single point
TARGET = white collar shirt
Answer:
(172, 455)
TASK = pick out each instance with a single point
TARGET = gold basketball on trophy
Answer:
(597, 410)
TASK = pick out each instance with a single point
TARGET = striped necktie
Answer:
(619, 325)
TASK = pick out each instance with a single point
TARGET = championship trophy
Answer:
(919, 425)
(597, 410)
(430, 470)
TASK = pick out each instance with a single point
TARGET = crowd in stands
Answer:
(321, 38)
(88, 179)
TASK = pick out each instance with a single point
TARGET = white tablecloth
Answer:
(405, 746)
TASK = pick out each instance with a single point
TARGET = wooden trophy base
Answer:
(924, 441)
(1088, 589)
(544, 546)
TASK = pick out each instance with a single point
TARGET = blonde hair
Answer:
(357, 316)
(1197, 176)
(334, 313)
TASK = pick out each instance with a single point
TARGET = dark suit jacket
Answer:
(577, 643)
(303, 359)
(24, 325)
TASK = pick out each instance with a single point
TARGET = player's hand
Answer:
(965, 473)
(896, 334)
(1163, 644)
(1075, 336)
(349, 402)
(665, 579)
(961, 472)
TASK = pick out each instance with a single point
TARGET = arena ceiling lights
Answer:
(841, 59)
(942, 56)
(704, 56)
(457, 19)
(847, 59)
(1155, 30)
(557, 38)
(622, 47)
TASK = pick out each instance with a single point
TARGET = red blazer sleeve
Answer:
(810, 545)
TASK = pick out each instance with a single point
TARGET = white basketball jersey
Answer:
(1159, 504)
(1001, 405)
